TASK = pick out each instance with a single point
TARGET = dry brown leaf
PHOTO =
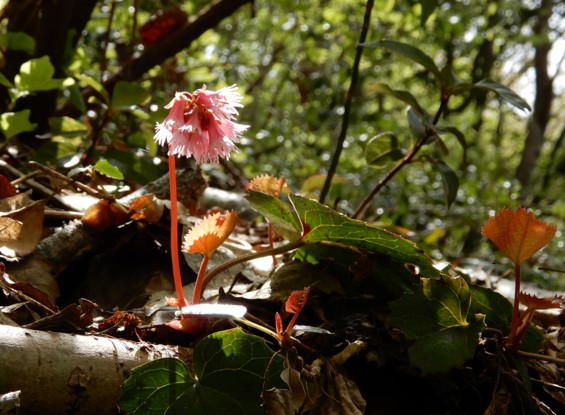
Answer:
(9, 229)
(15, 202)
(31, 218)
(147, 208)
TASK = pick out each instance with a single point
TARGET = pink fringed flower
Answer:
(201, 124)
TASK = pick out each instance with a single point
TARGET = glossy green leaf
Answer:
(436, 316)
(408, 51)
(450, 181)
(383, 149)
(126, 94)
(37, 75)
(416, 123)
(14, 123)
(496, 308)
(17, 41)
(139, 168)
(278, 213)
(107, 169)
(76, 98)
(229, 367)
(403, 96)
(502, 91)
(326, 225)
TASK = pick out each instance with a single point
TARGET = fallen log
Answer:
(59, 373)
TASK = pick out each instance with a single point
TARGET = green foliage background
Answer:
(292, 61)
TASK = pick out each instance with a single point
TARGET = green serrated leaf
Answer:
(436, 317)
(18, 41)
(37, 75)
(126, 94)
(444, 350)
(14, 123)
(496, 308)
(230, 368)
(107, 169)
(403, 96)
(382, 149)
(408, 51)
(450, 181)
(327, 225)
(278, 213)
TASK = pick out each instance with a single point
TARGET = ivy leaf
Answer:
(408, 51)
(327, 225)
(37, 75)
(278, 213)
(435, 316)
(517, 233)
(382, 149)
(14, 123)
(229, 376)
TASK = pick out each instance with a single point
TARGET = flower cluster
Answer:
(201, 124)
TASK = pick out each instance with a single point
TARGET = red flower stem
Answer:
(200, 280)
(181, 301)
(516, 309)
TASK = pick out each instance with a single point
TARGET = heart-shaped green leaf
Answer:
(230, 371)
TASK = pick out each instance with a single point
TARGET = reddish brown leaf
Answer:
(146, 208)
(104, 215)
(297, 300)
(536, 303)
(7, 189)
(517, 233)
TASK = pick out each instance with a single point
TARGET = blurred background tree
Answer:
(117, 62)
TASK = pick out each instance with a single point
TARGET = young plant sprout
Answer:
(519, 236)
(200, 124)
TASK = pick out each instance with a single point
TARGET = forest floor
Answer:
(113, 278)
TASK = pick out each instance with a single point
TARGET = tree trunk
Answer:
(543, 100)
(59, 373)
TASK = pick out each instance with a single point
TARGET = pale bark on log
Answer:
(59, 373)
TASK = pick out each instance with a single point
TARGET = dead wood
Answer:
(59, 373)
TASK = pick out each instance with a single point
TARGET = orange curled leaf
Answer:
(517, 233)
(146, 208)
(267, 184)
(536, 303)
(297, 300)
(207, 235)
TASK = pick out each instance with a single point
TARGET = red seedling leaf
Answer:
(7, 189)
(517, 233)
(146, 208)
(536, 303)
(279, 326)
(297, 300)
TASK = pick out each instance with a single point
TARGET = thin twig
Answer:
(348, 101)
(403, 162)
